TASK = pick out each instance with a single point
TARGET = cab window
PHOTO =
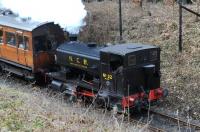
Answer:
(10, 39)
(116, 63)
(131, 60)
(23, 42)
(1, 36)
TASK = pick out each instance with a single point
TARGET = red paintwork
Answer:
(130, 100)
(86, 93)
(154, 94)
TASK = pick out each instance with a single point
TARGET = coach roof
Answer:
(17, 23)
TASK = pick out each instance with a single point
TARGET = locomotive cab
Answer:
(132, 74)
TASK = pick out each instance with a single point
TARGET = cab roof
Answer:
(15, 22)
(123, 49)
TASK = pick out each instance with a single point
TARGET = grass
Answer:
(9, 102)
(23, 109)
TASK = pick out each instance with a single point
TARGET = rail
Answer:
(175, 119)
(149, 127)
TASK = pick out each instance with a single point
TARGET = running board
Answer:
(14, 71)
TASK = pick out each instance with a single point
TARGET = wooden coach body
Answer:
(27, 47)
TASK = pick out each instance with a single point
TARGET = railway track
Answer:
(155, 129)
(177, 120)
(178, 123)
(149, 127)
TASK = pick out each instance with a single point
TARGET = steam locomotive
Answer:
(122, 75)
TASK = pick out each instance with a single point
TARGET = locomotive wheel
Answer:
(103, 102)
(100, 103)
(70, 98)
(87, 100)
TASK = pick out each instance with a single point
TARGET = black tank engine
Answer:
(122, 75)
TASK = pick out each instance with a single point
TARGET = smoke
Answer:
(69, 14)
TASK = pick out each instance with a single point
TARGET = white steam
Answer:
(69, 14)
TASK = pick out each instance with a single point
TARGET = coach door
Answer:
(10, 49)
(22, 42)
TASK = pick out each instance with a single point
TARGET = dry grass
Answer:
(180, 71)
(104, 30)
(23, 109)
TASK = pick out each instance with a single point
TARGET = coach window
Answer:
(20, 42)
(1, 36)
(23, 42)
(10, 39)
(26, 43)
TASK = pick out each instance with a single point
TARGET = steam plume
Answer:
(68, 13)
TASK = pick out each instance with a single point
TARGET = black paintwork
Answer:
(73, 54)
(120, 70)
